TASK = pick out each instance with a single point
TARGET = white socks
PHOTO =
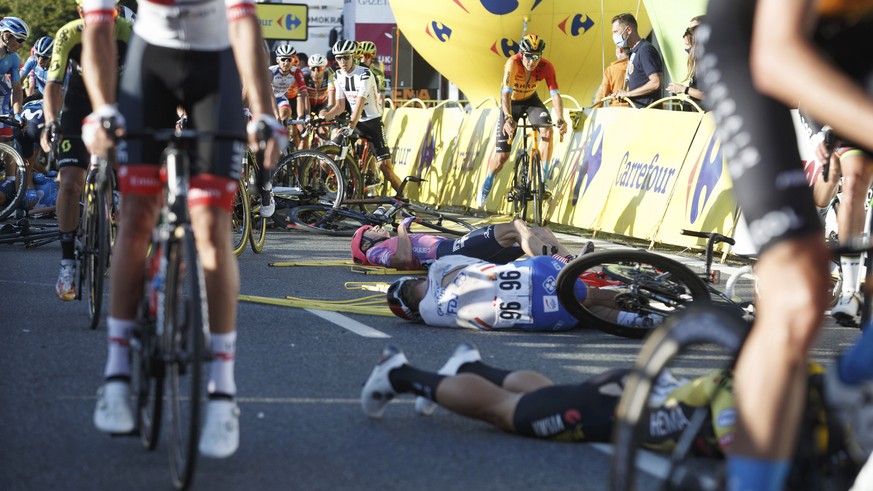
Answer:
(221, 370)
(118, 335)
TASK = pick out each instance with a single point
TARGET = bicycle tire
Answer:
(147, 367)
(240, 219)
(537, 186)
(303, 178)
(249, 179)
(519, 185)
(653, 285)
(185, 324)
(258, 230)
(322, 219)
(701, 324)
(8, 155)
(434, 220)
(85, 236)
(99, 257)
(351, 170)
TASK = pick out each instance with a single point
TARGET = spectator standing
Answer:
(645, 69)
(613, 78)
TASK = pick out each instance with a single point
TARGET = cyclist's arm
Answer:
(403, 258)
(17, 97)
(28, 67)
(51, 104)
(839, 100)
(99, 53)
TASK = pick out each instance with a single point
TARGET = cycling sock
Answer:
(410, 379)
(850, 266)
(748, 474)
(494, 375)
(487, 184)
(563, 259)
(118, 334)
(68, 245)
(855, 366)
(221, 369)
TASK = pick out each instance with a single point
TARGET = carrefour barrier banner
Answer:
(702, 200)
(405, 137)
(643, 152)
(468, 41)
(438, 150)
(570, 180)
(475, 145)
(555, 169)
(283, 21)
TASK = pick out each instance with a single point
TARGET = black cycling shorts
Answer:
(580, 412)
(373, 131)
(205, 83)
(480, 244)
(537, 114)
(76, 107)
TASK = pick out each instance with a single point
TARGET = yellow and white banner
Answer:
(474, 147)
(406, 135)
(283, 21)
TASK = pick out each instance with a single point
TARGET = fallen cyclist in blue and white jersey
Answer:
(461, 291)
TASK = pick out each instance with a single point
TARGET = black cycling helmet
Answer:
(531, 43)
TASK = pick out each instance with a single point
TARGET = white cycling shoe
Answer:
(220, 436)
(113, 413)
(848, 310)
(465, 353)
(377, 391)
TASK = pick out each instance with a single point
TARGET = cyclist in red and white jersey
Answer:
(356, 84)
(319, 85)
(183, 53)
(287, 78)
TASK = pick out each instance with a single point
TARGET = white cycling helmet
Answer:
(286, 50)
(317, 60)
(15, 26)
(347, 47)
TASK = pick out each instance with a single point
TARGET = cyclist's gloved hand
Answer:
(347, 131)
(276, 131)
(409, 221)
(95, 121)
(19, 119)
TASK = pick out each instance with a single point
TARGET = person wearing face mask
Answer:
(613, 78)
(645, 69)
(691, 87)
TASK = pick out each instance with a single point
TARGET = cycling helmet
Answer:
(127, 13)
(347, 47)
(532, 43)
(286, 50)
(359, 256)
(43, 46)
(367, 48)
(15, 26)
(317, 60)
(398, 305)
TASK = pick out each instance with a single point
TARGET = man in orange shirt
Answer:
(522, 76)
(613, 78)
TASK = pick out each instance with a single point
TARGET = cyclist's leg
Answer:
(759, 142)
(541, 119)
(532, 243)
(374, 132)
(72, 165)
(497, 160)
(857, 169)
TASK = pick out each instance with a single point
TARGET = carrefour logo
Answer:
(591, 162)
(289, 21)
(505, 47)
(579, 24)
(438, 31)
(704, 180)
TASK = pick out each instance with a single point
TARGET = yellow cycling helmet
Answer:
(531, 43)
(81, 3)
(366, 48)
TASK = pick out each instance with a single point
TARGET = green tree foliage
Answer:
(44, 17)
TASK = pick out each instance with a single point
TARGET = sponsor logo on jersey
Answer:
(452, 305)
(550, 303)
(727, 417)
(550, 425)
(549, 284)
(460, 279)
(459, 243)
(664, 421)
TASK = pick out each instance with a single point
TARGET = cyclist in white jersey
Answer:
(184, 53)
(356, 84)
(462, 291)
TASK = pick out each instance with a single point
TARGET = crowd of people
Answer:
(103, 67)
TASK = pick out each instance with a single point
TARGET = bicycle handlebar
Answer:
(9, 120)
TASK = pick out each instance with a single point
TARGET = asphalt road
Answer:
(299, 379)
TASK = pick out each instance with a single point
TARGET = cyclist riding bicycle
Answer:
(319, 85)
(500, 243)
(367, 56)
(37, 65)
(466, 292)
(522, 75)
(289, 84)
(13, 32)
(356, 84)
(752, 68)
(189, 61)
(66, 104)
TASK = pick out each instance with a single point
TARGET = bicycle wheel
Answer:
(322, 219)
(304, 178)
(703, 328)
(13, 177)
(646, 287)
(184, 345)
(351, 170)
(98, 257)
(148, 382)
(240, 219)
(537, 188)
(518, 190)
(437, 221)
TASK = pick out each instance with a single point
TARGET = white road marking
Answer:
(349, 324)
(648, 462)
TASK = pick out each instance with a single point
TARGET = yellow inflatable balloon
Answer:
(468, 41)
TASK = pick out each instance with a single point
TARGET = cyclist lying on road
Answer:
(529, 404)
(500, 243)
(461, 291)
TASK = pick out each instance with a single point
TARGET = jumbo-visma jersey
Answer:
(358, 87)
(481, 295)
